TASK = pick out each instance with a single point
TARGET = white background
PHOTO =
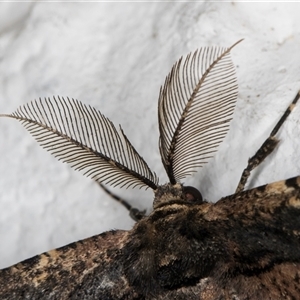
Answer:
(115, 56)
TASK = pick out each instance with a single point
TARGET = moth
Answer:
(245, 246)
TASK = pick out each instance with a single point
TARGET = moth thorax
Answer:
(168, 192)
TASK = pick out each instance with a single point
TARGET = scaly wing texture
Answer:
(88, 269)
(195, 106)
(81, 136)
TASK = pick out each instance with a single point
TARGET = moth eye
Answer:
(192, 194)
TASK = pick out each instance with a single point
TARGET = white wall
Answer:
(115, 56)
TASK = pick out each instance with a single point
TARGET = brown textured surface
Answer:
(246, 246)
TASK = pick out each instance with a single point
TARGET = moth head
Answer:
(176, 192)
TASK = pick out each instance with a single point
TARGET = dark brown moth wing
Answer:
(246, 246)
(195, 106)
(264, 243)
(88, 269)
(81, 136)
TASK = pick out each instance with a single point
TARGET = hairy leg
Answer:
(266, 148)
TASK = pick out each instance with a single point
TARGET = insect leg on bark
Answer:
(266, 148)
(134, 213)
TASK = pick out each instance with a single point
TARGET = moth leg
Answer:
(134, 213)
(266, 148)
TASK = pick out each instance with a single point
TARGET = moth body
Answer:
(246, 246)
